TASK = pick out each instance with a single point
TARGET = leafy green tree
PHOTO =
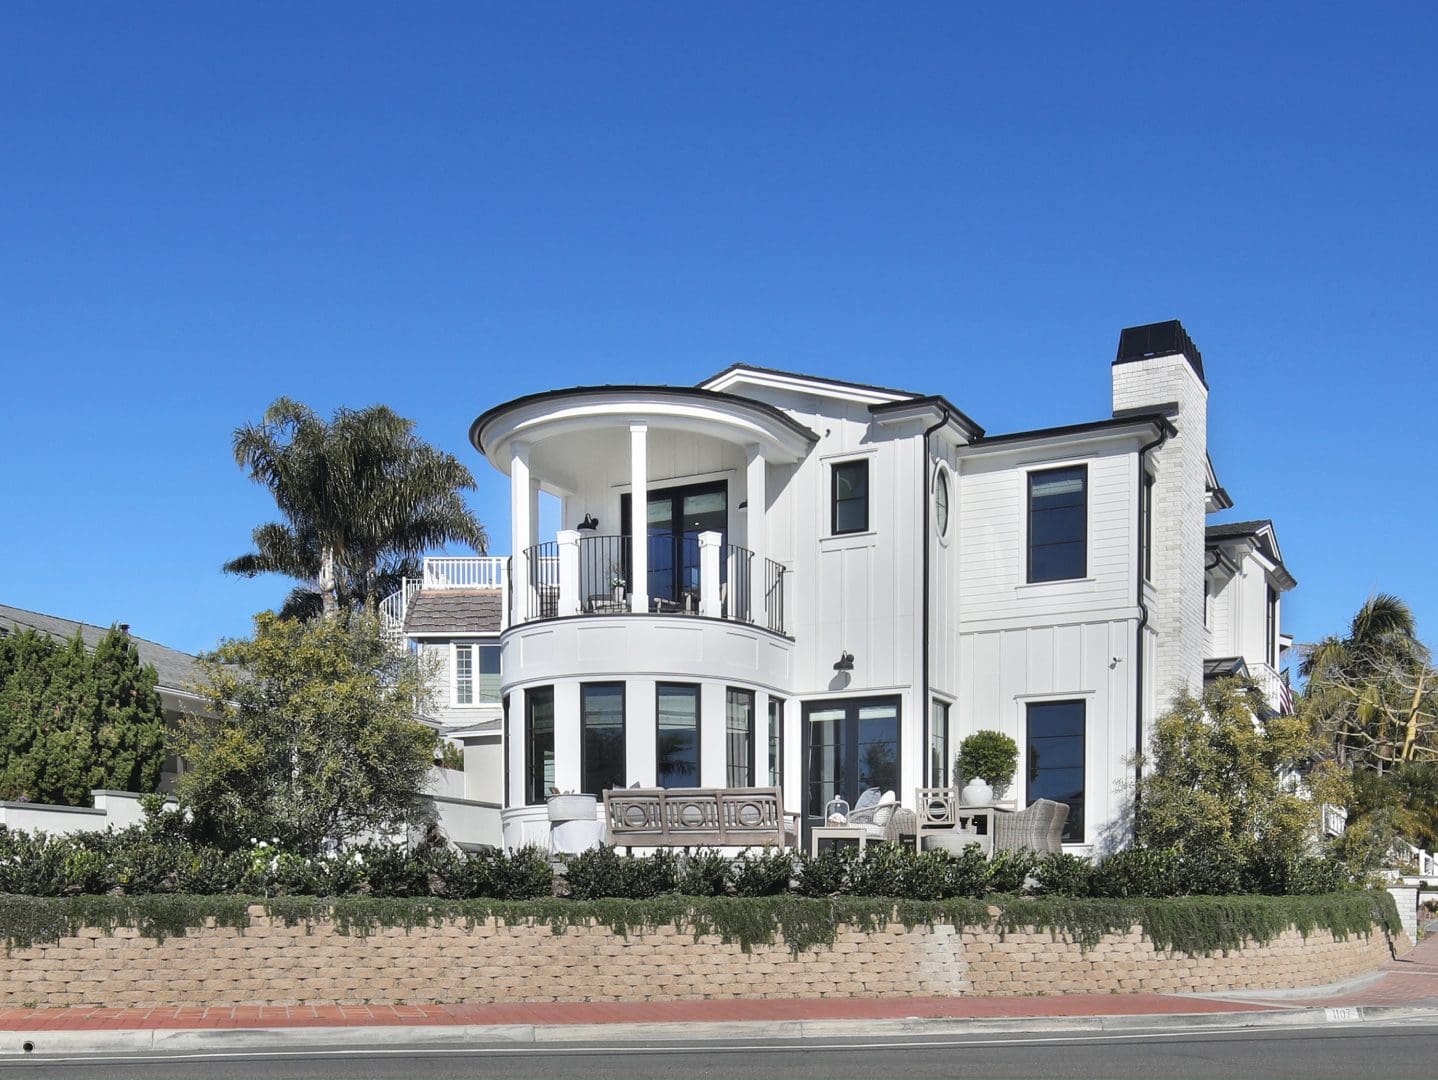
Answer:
(1374, 691)
(72, 720)
(361, 498)
(310, 735)
(1226, 779)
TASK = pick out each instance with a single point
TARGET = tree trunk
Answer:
(1410, 732)
(329, 588)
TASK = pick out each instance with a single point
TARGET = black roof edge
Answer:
(684, 391)
(1158, 420)
(815, 378)
(1225, 500)
(965, 420)
(1167, 408)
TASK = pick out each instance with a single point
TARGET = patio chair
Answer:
(1039, 827)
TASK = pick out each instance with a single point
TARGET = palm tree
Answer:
(1373, 689)
(361, 498)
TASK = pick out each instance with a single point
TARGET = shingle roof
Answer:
(176, 670)
(455, 611)
(1234, 529)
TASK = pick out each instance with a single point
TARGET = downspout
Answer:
(924, 676)
(1142, 622)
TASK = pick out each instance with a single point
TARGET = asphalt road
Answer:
(1368, 1050)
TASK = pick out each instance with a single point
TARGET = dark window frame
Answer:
(1270, 621)
(776, 741)
(938, 738)
(851, 705)
(659, 688)
(835, 501)
(730, 692)
(608, 684)
(1075, 827)
(1146, 494)
(534, 779)
(1082, 540)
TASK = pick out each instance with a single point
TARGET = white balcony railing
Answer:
(1274, 686)
(465, 572)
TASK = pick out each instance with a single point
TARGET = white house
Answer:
(838, 582)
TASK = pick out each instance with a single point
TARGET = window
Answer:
(467, 689)
(1146, 511)
(677, 744)
(674, 519)
(1056, 759)
(1058, 524)
(939, 744)
(1271, 626)
(739, 737)
(941, 503)
(601, 733)
(776, 742)
(850, 497)
(506, 744)
(538, 744)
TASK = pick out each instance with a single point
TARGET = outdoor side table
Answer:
(837, 832)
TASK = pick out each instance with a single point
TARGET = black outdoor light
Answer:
(845, 662)
(589, 524)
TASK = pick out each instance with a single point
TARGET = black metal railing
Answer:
(774, 595)
(737, 569)
(605, 574)
(542, 568)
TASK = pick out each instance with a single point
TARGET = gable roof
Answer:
(1262, 533)
(175, 670)
(455, 611)
(825, 380)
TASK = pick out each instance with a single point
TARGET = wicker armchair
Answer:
(1039, 827)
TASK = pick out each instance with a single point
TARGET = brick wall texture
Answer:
(272, 964)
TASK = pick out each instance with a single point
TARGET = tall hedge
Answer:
(72, 719)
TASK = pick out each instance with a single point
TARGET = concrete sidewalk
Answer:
(1404, 988)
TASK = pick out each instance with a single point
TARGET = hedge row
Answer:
(1198, 925)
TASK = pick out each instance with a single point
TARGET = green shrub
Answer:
(766, 873)
(1136, 871)
(1061, 874)
(1009, 870)
(704, 873)
(1282, 874)
(889, 870)
(602, 873)
(523, 874)
(825, 874)
(991, 755)
(1211, 868)
(394, 870)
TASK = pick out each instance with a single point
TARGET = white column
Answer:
(754, 490)
(520, 529)
(639, 514)
(761, 739)
(709, 600)
(568, 571)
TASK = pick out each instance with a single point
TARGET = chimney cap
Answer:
(1159, 339)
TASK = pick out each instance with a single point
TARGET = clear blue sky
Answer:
(442, 206)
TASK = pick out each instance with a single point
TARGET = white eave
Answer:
(727, 417)
(743, 375)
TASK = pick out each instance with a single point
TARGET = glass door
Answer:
(675, 517)
(849, 746)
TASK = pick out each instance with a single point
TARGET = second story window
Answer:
(1058, 524)
(1271, 628)
(1146, 510)
(850, 498)
(476, 674)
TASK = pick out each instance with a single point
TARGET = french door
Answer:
(675, 517)
(849, 745)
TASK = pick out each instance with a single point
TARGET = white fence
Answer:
(112, 809)
(465, 572)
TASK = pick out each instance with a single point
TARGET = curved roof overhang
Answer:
(536, 418)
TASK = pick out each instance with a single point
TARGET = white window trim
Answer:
(942, 469)
(454, 647)
(828, 462)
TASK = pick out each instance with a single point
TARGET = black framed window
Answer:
(739, 737)
(776, 742)
(538, 744)
(677, 743)
(850, 497)
(1056, 759)
(1058, 524)
(601, 737)
(504, 725)
(939, 744)
(850, 746)
(1146, 494)
(1271, 624)
(674, 519)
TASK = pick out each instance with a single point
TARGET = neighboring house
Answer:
(836, 583)
(177, 673)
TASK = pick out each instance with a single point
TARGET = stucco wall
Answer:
(272, 964)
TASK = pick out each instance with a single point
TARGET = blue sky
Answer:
(442, 206)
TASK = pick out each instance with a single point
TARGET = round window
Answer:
(941, 503)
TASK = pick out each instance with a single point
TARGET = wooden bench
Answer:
(695, 817)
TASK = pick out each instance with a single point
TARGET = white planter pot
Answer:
(572, 807)
(976, 793)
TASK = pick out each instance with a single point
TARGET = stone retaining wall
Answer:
(272, 964)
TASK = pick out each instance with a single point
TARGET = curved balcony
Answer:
(691, 575)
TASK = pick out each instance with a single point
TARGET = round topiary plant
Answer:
(990, 756)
